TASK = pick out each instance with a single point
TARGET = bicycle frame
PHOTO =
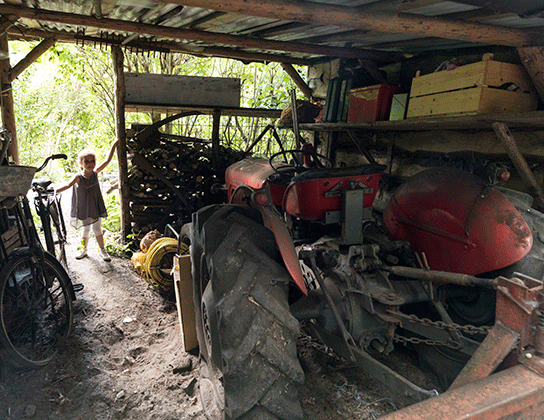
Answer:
(48, 208)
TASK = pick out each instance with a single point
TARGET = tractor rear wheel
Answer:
(247, 335)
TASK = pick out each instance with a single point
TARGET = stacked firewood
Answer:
(170, 177)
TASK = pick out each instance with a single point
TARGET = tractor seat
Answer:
(320, 173)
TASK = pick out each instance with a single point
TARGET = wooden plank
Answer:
(471, 101)
(226, 111)
(11, 239)
(520, 120)
(162, 89)
(482, 73)
(183, 286)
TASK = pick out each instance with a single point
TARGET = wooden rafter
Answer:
(32, 56)
(175, 47)
(194, 35)
(350, 17)
(297, 80)
(6, 22)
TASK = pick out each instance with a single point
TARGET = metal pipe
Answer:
(441, 276)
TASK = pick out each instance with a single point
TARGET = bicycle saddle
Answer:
(41, 182)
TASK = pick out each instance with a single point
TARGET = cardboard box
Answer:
(482, 87)
(371, 103)
(183, 285)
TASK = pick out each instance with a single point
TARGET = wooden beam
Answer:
(32, 56)
(194, 35)
(119, 80)
(297, 80)
(8, 112)
(533, 60)
(525, 173)
(6, 22)
(173, 47)
(350, 17)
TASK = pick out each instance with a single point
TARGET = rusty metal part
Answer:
(261, 200)
(373, 367)
(539, 333)
(348, 339)
(495, 347)
(441, 276)
(518, 304)
(515, 393)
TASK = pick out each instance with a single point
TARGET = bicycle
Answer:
(36, 293)
(48, 207)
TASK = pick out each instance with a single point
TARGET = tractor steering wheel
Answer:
(319, 160)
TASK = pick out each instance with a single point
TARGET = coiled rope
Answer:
(159, 262)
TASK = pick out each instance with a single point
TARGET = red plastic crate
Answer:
(371, 103)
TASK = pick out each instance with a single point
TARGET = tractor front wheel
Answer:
(247, 335)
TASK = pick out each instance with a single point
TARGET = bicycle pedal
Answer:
(78, 287)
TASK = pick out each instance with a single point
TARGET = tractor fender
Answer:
(261, 200)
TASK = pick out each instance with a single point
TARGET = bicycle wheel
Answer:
(35, 309)
(58, 233)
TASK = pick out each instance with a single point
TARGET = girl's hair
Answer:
(85, 154)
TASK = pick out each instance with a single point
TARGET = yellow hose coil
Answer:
(159, 262)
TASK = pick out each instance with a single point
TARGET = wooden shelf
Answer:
(227, 111)
(522, 120)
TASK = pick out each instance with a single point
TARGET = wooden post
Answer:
(215, 137)
(533, 60)
(8, 113)
(509, 143)
(119, 79)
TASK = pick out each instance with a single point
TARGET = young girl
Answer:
(87, 203)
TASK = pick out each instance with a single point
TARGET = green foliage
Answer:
(57, 112)
(113, 207)
(64, 103)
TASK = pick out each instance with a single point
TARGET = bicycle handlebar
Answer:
(52, 157)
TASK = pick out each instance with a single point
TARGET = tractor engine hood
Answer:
(461, 224)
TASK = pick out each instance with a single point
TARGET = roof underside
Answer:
(299, 32)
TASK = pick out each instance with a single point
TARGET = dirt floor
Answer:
(124, 360)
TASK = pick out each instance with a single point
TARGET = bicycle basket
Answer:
(16, 180)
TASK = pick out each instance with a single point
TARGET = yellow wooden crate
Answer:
(472, 89)
(478, 100)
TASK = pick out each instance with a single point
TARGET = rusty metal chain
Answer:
(416, 340)
(468, 329)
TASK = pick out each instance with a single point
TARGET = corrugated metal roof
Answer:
(241, 33)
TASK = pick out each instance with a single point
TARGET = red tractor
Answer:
(440, 265)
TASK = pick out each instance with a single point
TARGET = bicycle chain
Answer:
(468, 329)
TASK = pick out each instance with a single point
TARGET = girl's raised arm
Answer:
(68, 185)
(108, 159)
